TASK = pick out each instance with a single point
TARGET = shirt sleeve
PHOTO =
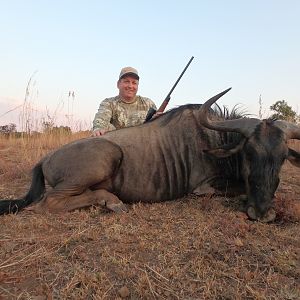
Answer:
(103, 116)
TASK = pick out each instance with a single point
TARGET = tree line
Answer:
(47, 127)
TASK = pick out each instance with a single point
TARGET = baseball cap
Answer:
(129, 70)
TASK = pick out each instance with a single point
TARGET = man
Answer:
(126, 109)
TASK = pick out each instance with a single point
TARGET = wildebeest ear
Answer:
(226, 150)
(294, 157)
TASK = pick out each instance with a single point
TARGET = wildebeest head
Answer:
(263, 150)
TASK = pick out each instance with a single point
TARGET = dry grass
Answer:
(192, 248)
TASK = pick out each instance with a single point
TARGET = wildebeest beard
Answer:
(229, 179)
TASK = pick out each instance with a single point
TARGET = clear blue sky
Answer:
(251, 46)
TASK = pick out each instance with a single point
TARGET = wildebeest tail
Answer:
(35, 193)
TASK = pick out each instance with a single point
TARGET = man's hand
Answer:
(157, 114)
(99, 132)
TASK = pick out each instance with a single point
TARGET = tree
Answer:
(8, 129)
(61, 130)
(47, 126)
(283, 111)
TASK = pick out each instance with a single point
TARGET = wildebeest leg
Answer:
(63, 200)
(98, 197)
(60, 200)
(109, 200)
(204, 189)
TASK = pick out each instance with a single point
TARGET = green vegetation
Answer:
(284, 112)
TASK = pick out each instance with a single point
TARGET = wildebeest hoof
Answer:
(119, 208)
(251, 213)
(269, 216)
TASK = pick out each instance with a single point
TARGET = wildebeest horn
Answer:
(243, 126)
(291, 130)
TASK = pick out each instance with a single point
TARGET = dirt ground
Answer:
(191, 248)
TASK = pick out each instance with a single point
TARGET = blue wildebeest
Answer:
(188, 149)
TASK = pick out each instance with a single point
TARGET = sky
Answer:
(55, 47)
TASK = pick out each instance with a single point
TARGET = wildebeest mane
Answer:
(218, 112)
(176, 113)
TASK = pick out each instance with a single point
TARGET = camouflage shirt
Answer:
(113, 113)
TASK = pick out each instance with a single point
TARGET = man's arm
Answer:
(101, 123)
(152, 109)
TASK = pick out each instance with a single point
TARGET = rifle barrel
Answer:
(174, 86)
(164, 104)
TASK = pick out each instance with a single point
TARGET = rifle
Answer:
(162, 107)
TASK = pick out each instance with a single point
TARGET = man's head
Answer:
(128, 84)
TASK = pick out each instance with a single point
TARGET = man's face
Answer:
(128, 87)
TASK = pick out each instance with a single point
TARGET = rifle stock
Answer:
(164, 104)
